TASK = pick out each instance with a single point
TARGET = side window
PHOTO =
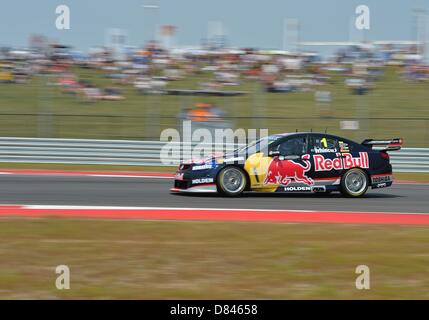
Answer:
(323, 144)
(293, 146)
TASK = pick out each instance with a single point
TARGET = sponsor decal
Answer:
(283, 172)
(178, 176)
(381, 185)
(305, 188)
(318, 189)
(234, 159)
(344, 147)
(202, 167)
(297, 189)
(324, 150)
(202, 180)
(381, 179)
(343, 161)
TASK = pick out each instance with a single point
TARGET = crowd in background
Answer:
(149, 70)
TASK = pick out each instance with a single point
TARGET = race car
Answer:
(293, 162)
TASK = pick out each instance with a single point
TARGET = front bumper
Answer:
(194, 181)
(203, 188)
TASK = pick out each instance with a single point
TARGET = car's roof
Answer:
(298, 133)
(287, 134)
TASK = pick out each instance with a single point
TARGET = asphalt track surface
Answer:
(154, 192)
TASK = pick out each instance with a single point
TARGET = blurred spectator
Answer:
(113, 94)
(202, 112)
(91, 93)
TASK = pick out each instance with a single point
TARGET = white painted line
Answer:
(72, 207)
(58, 174)
(126, 176)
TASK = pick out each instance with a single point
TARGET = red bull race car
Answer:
(293, 162)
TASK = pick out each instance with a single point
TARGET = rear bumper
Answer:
(381, 180)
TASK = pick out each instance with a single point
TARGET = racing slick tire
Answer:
(231, 181)
(354, 183)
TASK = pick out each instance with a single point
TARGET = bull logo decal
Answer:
(283, 172)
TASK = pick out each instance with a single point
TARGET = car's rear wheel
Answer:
(231, 181)
(354, 183)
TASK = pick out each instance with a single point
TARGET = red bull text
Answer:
(343, 161)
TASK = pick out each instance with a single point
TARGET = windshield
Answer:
(257, 145)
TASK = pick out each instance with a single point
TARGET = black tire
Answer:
(354, 183)
(231, 181)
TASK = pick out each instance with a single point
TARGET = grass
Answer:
(211, 260)
(412, 176)
(140, 117)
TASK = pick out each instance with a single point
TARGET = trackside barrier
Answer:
(143, 153)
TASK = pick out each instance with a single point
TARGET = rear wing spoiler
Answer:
(391, 145)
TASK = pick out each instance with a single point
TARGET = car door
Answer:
(290, 164)
(325, 159)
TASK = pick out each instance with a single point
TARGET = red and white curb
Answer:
(208, 214)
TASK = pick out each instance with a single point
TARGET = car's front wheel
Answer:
(354, 183)
(231, 181)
